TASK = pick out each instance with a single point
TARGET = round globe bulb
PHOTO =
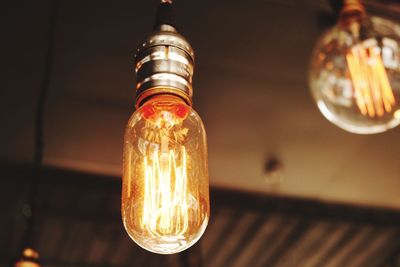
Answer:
(355, 74)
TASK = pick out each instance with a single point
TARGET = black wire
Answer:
(337, 6)
(165, 15)
(28, 238)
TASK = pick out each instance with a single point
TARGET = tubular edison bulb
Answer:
(165, 195)
(355, 72)
(165, 201)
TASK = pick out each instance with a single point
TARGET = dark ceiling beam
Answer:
(239, 200)
(351, 233)
(290, 206)
(317, 243)
(393, 250)
(297, 216)
(367, 241)
(100, 212)
(19, 172)
(140, 257)
(247, 237)
(81, 216)
(228, 230)
(10, 215)
(66, 222)
(193, 257)
(270, 243)
(289, 241)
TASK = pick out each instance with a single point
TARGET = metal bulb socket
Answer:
(164, 64)
(352, 9)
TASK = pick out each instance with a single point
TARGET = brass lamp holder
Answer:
(352, 8)
(164, 62)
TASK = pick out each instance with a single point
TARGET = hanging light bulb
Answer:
(355, 72)
(165, 195)
(29, 258)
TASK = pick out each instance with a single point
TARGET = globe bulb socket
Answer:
(352, 7)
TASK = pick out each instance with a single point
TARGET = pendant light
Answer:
(165, 194)
(29, 258)
(355, 72)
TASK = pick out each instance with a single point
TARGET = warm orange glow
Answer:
(397, 114)
(165, 210)
(26, 263)
(30, 253)
(165, 203)
(372, 90)
(29, 259)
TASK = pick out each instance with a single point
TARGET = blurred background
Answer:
(288, 188)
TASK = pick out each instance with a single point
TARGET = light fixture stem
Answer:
(165, 15)
(164, 62)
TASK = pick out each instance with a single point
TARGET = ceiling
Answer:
(79, 224)
(250, 89)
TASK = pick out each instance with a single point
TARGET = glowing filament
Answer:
(372, 90)
(165, 208)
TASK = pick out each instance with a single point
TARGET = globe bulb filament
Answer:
(372, 90)
(165, 210)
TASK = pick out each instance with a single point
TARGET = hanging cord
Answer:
(343, 7)
(28, 238)
(351, 7)
(165, 14)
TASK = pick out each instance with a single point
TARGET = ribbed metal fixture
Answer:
(164, 64)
